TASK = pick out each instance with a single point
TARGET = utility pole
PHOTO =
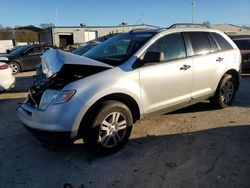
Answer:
(193, 9)
(56, 16)
(14, 36)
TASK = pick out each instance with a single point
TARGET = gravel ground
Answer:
(194, 147)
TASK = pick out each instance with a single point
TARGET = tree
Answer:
(8, 27)
(206, 23)
(246, 27)
(46, 25)
(123, 24)
(17, 26)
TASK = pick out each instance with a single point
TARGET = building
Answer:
(232, 30)
(63, 36)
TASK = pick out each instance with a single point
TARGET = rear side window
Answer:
(223, 44)
(200, 42)
(35, 50)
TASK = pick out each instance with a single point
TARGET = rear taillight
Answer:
(3, 66)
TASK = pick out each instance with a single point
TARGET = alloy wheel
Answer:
(14, 68)
(112, 130)
(227, 92)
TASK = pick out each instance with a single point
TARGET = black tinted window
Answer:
(19, 50)
(34, 50)
(200, 42)
(223, 44)
(171, 45)
(243, 44)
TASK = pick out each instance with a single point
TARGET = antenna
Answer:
(139, 19)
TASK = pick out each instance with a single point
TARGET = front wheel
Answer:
(225, 92)
(110, 129)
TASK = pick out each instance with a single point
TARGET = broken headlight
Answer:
(55, 97)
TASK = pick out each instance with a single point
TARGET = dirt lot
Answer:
(195, 147)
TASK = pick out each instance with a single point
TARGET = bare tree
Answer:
(8, 27)
(46, 25)
(206, 23)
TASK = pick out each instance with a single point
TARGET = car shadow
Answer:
(239, 101)
(242, 99)
(215, 158)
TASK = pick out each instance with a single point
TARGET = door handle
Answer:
(185, 67)
(219, 59)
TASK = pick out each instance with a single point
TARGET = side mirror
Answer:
(153, 57)
(149, 57)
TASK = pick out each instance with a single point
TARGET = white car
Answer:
(7, 80)
(131, 76)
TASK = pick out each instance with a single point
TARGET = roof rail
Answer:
(161, 29)
(137, 29)
(192, 25)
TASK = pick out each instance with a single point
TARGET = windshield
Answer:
(19, 50)
(82, 49)
(118, 49)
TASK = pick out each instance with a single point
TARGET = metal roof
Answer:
(30, 27)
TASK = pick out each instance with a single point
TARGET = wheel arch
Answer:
(236, 76)
(129, 101)
(18, 63)
(216, 99)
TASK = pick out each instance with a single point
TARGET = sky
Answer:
(113, 12)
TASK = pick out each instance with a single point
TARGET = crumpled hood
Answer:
(53, 60)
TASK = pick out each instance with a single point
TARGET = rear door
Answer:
(166, 85)
(209, 64)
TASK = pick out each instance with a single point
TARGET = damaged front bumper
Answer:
(53, 124)
(51, 137)
(42, 113)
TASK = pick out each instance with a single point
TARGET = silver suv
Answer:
(98, 97)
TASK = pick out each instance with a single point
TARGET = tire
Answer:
(110, 129)
(15, 67)
(225, 92)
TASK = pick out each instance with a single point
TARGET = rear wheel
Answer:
(110, 128)
(15, 67)
(225, 92)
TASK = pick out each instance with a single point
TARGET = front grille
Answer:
(37, 89)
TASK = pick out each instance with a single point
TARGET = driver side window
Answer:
(171, 46)
(35, 50)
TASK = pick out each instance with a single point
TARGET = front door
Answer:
(166, 85)
(32, 57)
